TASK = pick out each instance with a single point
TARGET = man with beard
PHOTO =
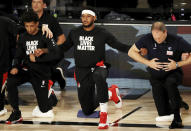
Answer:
(91, 68)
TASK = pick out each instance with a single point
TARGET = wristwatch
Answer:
(176, 64)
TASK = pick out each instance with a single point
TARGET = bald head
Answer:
(158, 26)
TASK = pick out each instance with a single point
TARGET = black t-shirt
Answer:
(171, 48)
(8, 31)
(89, 47)
(26, 45)
(53, 24)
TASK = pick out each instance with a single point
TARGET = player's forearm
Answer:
(48, 57)
(45, 50)
(61, 39)
(185, 62)
(137, 57)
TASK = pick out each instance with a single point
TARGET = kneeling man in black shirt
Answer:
(35, 70)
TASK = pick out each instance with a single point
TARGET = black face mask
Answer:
(86, 26)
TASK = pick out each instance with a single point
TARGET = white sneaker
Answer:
(161, 125)
(165, 118)
(3, 112)
(37, 113)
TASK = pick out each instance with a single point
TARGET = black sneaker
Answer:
(53, 99)
(184, 105)
(176, 124)
(61, 78)
(15, 117)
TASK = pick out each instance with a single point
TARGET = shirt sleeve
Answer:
(184, 46)
(114, 43)
(67, 44)
(53, 51)
(19, 55)
(56, 28)
(141, 43)
(12, 30)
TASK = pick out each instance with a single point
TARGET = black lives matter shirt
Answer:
(26, 45)
(171, 48)
(89, 46)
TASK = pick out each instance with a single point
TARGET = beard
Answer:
(86, 26)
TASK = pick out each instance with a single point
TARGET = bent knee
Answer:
(88, 111)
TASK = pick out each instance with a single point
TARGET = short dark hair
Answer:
(159, 26)
(47, 2)
(29, 16)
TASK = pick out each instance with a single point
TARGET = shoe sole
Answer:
(35, 110)
(103, 127)
(61, 72)
(119, 104)
(164, 118)
(34, 114)
(14, 122)
(43, 116)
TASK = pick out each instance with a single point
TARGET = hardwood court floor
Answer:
(139, 115)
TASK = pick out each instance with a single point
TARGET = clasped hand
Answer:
(166, 66)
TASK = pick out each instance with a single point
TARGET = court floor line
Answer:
(114, 124)
(124, 116)
(95, 124)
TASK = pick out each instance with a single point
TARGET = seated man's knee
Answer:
(170, 81)
(87, 106)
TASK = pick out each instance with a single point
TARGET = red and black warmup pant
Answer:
(40, 88)
(3, 79)
(92, 88)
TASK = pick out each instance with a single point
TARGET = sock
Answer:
(109, 94)
(103, 107)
